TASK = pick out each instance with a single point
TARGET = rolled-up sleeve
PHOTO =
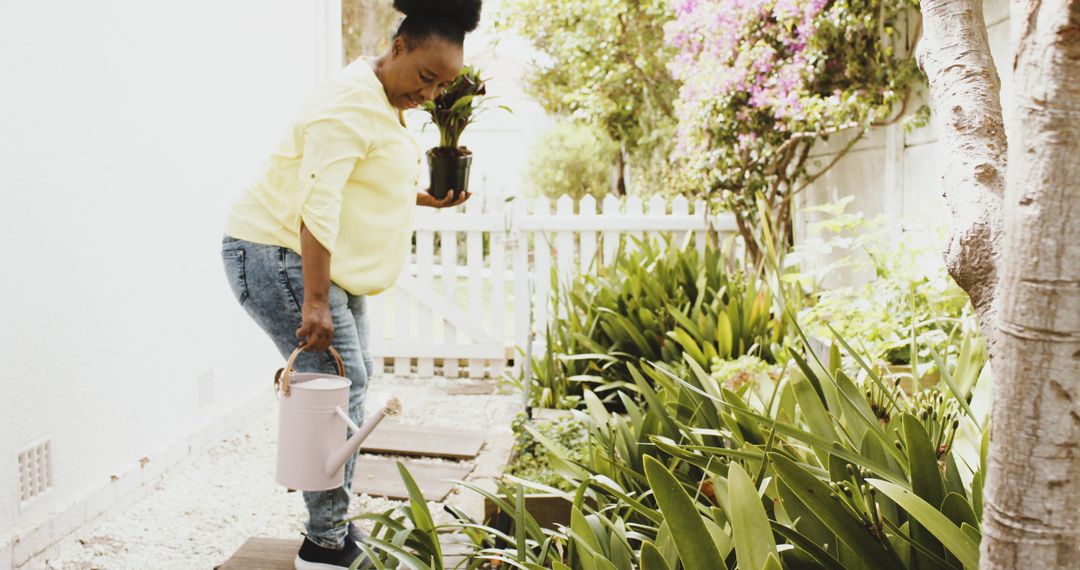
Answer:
(332, 146)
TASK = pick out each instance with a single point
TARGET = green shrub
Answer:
(905, 299)
(531, 456)
(824, 471)
(699, 459)
(572, 159)
(653, 302)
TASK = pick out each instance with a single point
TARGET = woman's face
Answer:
(414, 76)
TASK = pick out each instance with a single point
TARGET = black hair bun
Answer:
(464, 13)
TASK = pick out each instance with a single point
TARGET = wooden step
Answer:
(262, 553)
(392, 438)
(379, 477)
(471, 388)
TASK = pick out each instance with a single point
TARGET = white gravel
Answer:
(199, 514)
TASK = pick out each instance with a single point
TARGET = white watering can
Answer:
(312, 445)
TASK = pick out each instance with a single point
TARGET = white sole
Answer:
(301, 564)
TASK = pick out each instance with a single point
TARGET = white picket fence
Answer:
(478, 314)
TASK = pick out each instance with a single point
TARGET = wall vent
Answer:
(35, 472)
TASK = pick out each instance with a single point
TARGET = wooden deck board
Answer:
(471, 388)
(379, 477)
(424, 441)
(262, 553)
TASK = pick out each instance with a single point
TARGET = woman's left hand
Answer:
(424, 198)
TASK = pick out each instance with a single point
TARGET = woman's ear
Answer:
(399, 46)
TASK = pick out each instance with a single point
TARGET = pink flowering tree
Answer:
(763, 80)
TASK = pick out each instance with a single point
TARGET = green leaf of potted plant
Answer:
(451, 112)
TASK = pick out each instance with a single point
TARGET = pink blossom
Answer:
(751, 50)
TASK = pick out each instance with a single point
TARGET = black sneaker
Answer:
(358, 536)
(314, 557)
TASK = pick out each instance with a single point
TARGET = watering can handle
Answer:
(281, 379)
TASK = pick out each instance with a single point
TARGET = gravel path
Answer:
(200, 513)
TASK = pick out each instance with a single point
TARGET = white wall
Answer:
(897, 173)
(126, 129)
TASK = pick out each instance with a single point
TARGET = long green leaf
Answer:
(960, 394)
(784, 428)
(402, 555)
(925, 480)
(696, 548)
(950, 535)
(922, 462)
(612, 487)
(813, 410)
(753, 537)
(689, 345)
(519, 530)
(816, 496)
(421, 515)
(808, 546)
(587, 545)
(651, 559)
(959, 511)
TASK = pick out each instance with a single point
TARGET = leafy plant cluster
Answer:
(811, 469)
(739, 459)
(457, 107)
(653, 302)
(898, 301)
(531, 459)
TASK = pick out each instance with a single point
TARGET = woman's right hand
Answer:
(316, 330)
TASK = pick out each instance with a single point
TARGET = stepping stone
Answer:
(379, 477)
(471, 389)
(424, 441)
(261, 553)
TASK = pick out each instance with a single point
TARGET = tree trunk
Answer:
(369, 35)
(964, 90)
(618, 173)
(1032, 500)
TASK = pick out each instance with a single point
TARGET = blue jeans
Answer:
(268, 282)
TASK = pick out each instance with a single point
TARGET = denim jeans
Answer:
(268, 282)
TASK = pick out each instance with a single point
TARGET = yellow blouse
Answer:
(348, 170)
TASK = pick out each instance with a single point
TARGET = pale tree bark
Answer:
(1032, 499)
(964, 90)
(1017, 254)
(369, 35)
(367, 26)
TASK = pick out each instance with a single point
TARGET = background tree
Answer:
(572, 159)
(604, 62)
(366, 26)
(764, 80)
(1016, 250)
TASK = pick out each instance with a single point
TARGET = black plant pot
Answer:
(448, 172)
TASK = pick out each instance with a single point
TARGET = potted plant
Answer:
(451, 112)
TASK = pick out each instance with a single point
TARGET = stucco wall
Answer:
(127, 129)
(897, 173)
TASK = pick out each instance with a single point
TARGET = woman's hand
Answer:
(424, 198)
(317, 326)
(316, 330)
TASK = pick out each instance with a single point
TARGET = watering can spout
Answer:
(392, 407)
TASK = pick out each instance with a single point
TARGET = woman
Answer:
(329, 221)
